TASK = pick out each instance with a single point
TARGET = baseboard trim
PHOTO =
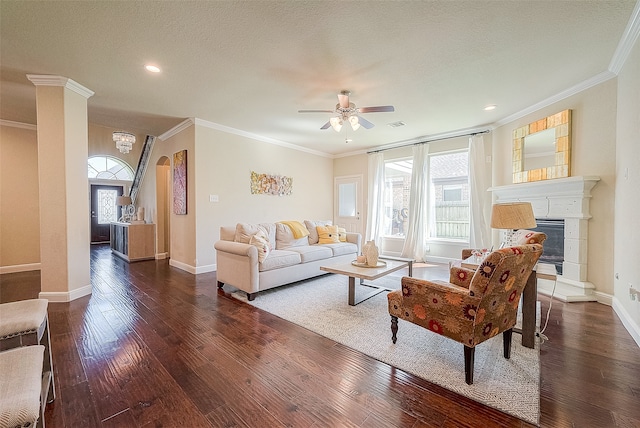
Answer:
(66, 296)
(19, 268)
(632, 327)
(206, 268)
(161, 256)
(193, 269)
(182, 266)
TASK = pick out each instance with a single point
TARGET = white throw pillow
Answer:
(261, 241)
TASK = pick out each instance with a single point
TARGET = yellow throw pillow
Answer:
(342, 233)
(328, 234)
(261, 241)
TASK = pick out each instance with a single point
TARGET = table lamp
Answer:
(127, 208)
(511, 217)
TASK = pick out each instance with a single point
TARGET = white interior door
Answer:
(348, 203)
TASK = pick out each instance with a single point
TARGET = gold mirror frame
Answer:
(562, 166)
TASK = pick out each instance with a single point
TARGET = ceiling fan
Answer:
(348, 112)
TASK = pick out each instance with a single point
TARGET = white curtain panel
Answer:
(479, 197)
(375, 208)
(416, 239)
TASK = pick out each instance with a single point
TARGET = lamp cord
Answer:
(540, 334)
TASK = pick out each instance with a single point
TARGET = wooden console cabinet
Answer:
(133, 242)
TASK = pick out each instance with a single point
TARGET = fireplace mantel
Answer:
(568, 199)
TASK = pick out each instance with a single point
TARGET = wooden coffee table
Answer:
(369, 274)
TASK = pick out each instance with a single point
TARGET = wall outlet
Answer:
(213, 198)
(633, 293)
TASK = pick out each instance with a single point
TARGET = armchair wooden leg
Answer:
(394, 328)
(506, 342)
(220, 284)
(469, 354)
(251, 296)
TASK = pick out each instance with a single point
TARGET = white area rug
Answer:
(320, 305)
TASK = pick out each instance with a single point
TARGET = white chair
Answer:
(25, 323)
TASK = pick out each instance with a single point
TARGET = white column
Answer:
(63, 187)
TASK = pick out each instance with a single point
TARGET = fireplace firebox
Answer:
(554, 245)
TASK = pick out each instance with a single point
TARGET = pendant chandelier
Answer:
(124, 141)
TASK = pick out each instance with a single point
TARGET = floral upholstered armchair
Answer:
(521, 237)
(474, 306)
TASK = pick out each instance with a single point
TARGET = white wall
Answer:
(627, 204)
(593, 152)
(220, 163)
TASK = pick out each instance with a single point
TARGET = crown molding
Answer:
(50, 80)
(229, 130)
(212, 125)
(628, 39)
(21, 125)
(177, 129)
(595, 80)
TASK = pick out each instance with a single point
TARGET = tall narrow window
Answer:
(450, 200)
(397, 189)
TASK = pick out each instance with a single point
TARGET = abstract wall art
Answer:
(265, 184)
(180, 182)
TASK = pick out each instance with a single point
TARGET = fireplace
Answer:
(554, 244)
(565, 199)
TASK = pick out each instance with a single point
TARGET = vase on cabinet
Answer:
(370, 251)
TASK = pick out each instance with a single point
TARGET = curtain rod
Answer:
(430, 141)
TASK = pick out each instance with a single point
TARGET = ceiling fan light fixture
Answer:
(355, 122)
(336, 123)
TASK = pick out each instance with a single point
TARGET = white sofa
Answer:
(291, 259)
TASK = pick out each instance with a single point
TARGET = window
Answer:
(108, 168)
(449, 201)
(397, 178)
(450, 195)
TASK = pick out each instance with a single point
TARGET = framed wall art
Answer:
(180, 182)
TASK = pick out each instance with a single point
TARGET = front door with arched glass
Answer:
(103, 195)
(103, 211)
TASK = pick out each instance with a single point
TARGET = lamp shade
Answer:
(122, 201)
(515, 215)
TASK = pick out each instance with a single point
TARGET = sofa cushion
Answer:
(311, 253)
(279, 259)
(244, 232)
(342, 234)
(328, 234)
(261, 241)
(285, 239)
(342, 248)
(311, 226)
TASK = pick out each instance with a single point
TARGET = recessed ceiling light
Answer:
(152, 68)
(490, 107)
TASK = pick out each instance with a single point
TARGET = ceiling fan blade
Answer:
(343, 99)
(326, 125)
(315, 111)
(376, 109)
(365, 123)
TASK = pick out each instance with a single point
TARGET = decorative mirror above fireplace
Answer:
(542, 149)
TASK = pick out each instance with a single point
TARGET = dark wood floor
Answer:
(156, 346)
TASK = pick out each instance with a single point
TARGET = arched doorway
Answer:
(163, 202)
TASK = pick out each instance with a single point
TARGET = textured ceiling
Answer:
(251, 65)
